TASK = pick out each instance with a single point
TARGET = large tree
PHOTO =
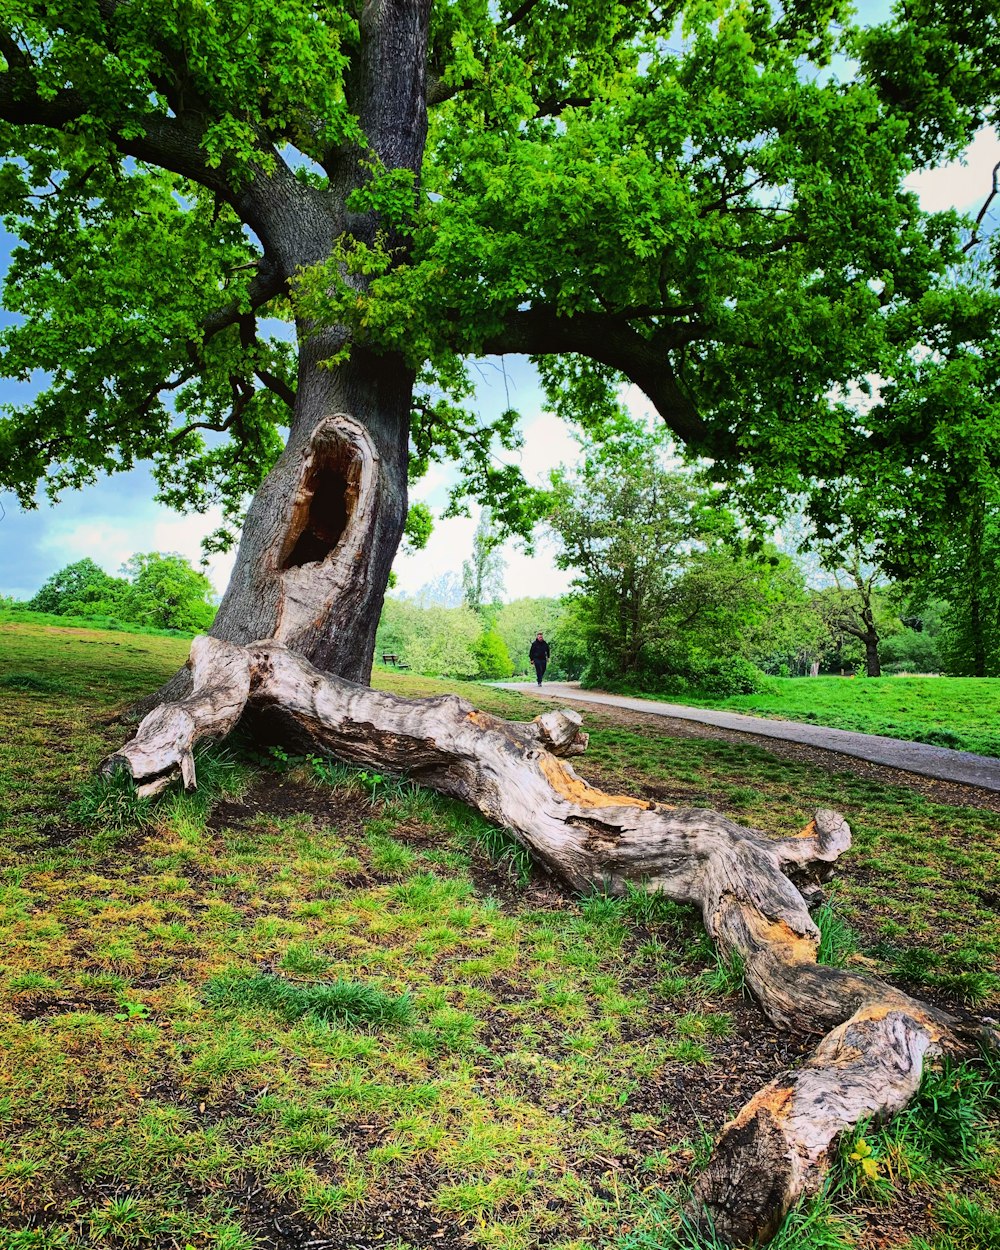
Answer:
(627, 525)
(680, 195)
(669, 590)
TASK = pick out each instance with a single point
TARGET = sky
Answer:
(118, 516)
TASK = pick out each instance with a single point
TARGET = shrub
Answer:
(720, 678)
(159, 592)
(438, 641)
(679, 677)
(910, 651)
(492, 656)
(82, 588)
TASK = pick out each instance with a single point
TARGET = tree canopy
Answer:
(688, 196)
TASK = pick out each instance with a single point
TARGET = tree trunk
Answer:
(977, 633)
(749, 889)
(872, 664)
(323, 528)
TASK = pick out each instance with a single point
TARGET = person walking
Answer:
(539, 655)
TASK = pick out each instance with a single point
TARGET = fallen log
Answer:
(749, 888)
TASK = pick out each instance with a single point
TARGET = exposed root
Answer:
(748, 887)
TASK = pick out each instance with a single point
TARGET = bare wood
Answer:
(748, 886)
(779, 1146)
(164, 742)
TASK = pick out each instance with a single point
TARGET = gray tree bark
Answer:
(323, 528)
(322, 531)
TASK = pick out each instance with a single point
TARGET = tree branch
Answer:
(185, 430)
(974, 238)
(747, 886)
(726, 196)
(263, 200)
(553, 107)
(13, 53)
(269, 282)
(277, 385)
(171, 142)
(520, 13)
(611, 340)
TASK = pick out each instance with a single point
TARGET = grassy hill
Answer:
(958, 712)
(314, 1006)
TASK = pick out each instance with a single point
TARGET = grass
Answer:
(319, 1003)
(346, 1001)
(837, 941)
(26, 616)
(957, 712)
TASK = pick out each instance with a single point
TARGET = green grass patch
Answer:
(837, 940)
(957, 712)
(347, 1002)
(341, 994)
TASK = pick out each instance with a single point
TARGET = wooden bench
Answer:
(389, 658)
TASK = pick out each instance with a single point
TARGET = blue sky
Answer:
(118, 516)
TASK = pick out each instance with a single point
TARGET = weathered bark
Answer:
(749, 889)
(323, 528)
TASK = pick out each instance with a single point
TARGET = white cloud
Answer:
(108, 543)
(547, 442)
(450, 543)
(534, 577)
(183, 534)
(964, 184)
(432, 488)
(111, 540)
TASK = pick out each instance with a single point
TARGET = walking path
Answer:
(912, 757)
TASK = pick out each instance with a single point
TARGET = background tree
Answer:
(966, 574)
(940, 525)
(492, 657)
(81, 589)
(749, 601)
(859, 605)
(916, 647)
(433, 639)
(669, 594)
(482, 575)
(156, 589)
(625, 523)
(444, 591)
(166, 592)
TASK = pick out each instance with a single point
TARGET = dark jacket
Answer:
(539, 651)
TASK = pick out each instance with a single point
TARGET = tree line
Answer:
(674, 593)
(155, 590)
(671, 594)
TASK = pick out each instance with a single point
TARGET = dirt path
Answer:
(960, 767)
